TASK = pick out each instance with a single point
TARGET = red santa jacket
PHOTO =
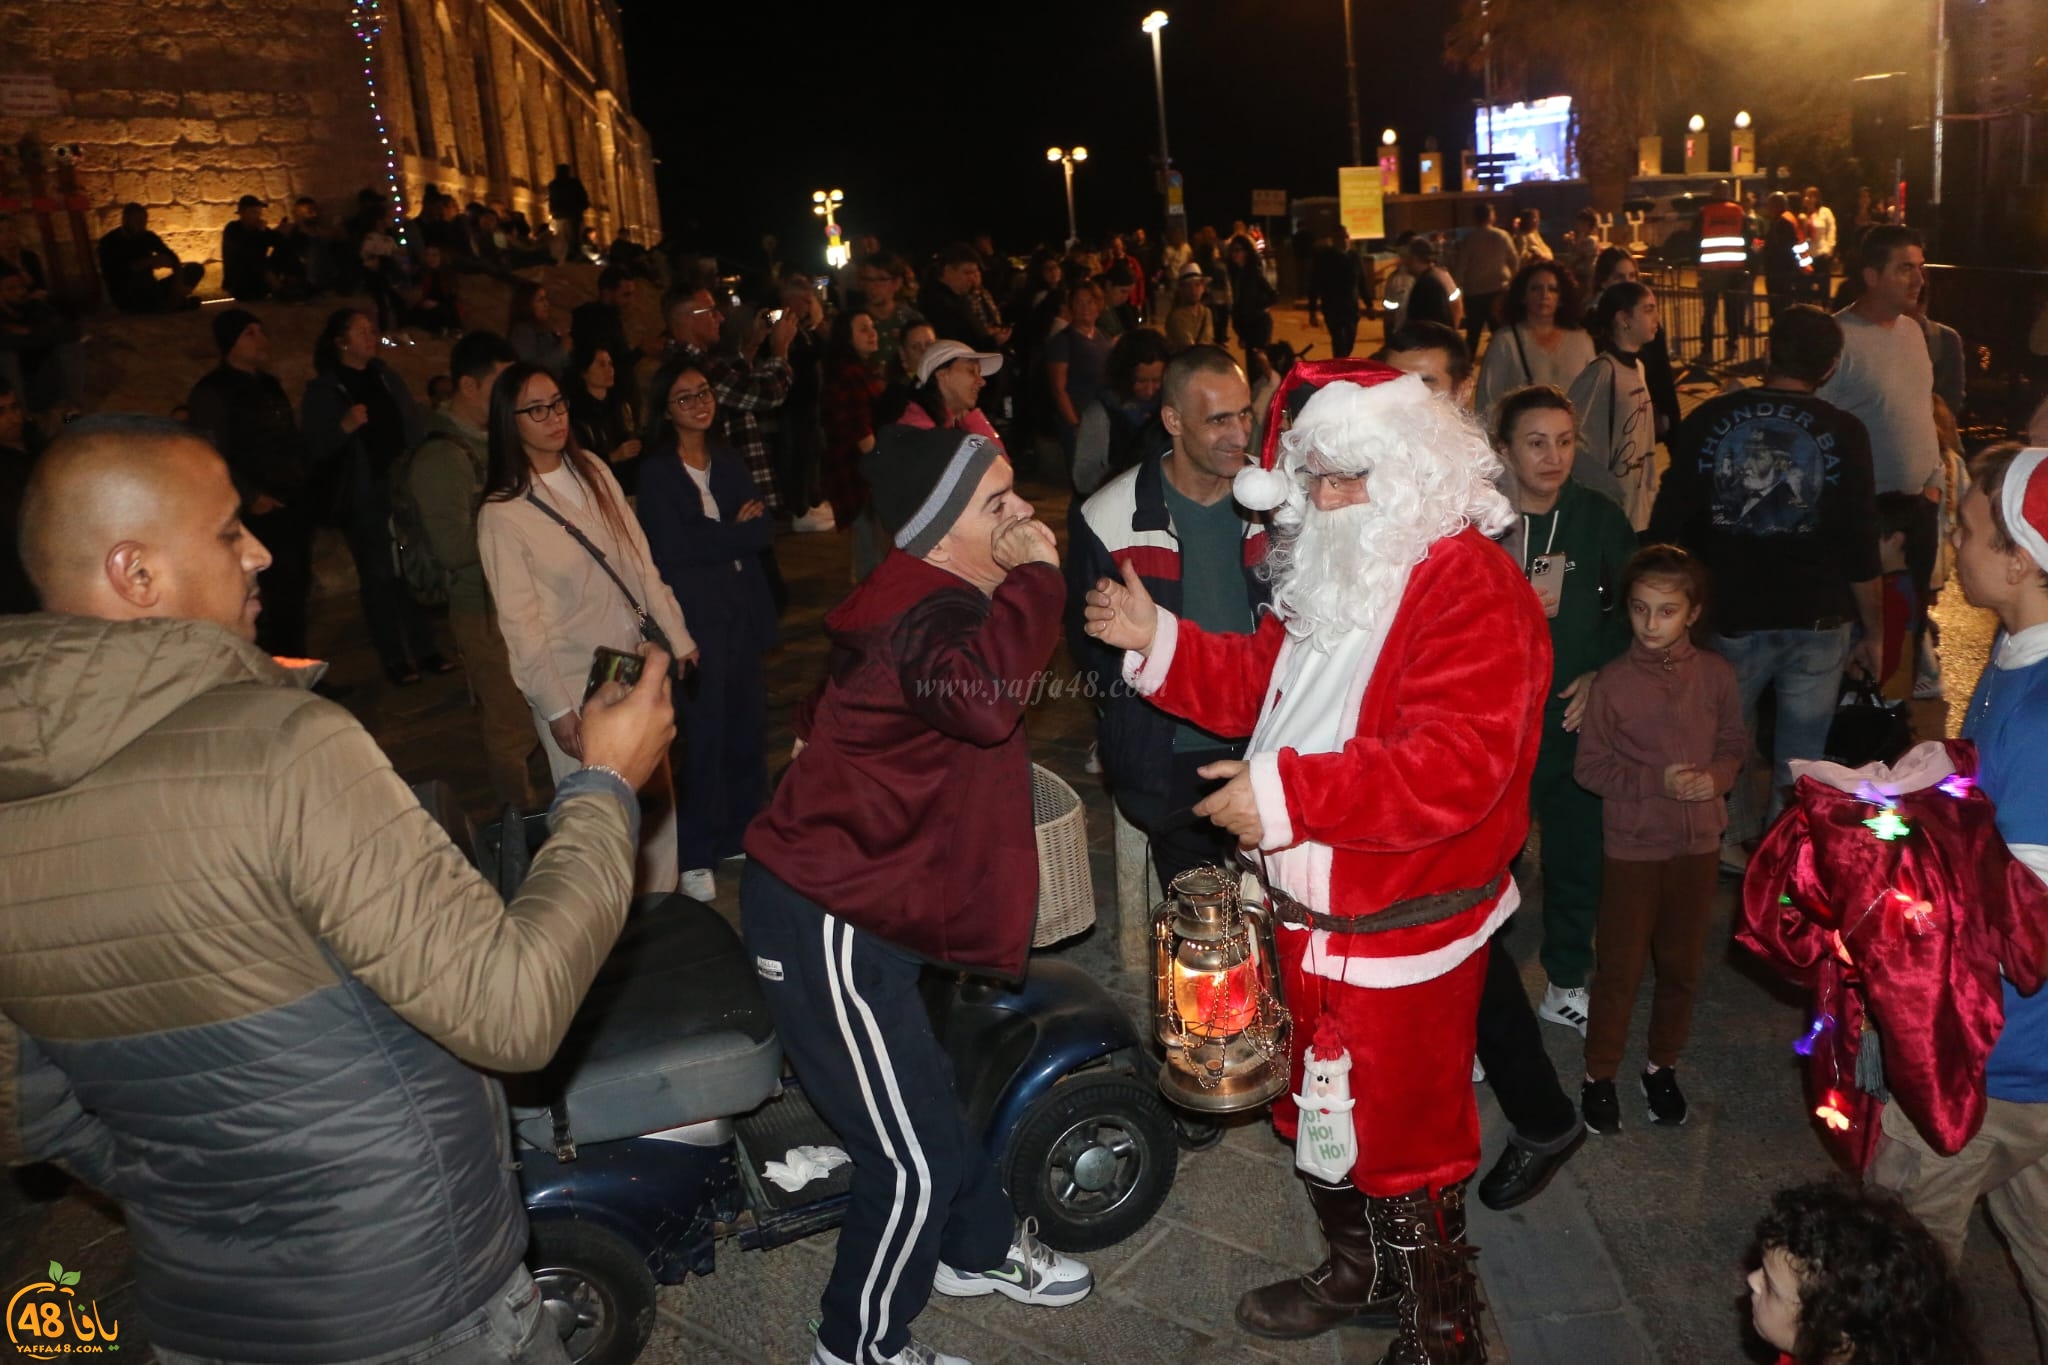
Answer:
(1431, 792)
(1906, 934)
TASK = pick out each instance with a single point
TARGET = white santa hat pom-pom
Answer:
(1261, 490)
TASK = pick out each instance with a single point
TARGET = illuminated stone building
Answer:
(186, 105)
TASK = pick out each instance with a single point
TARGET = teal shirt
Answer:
(1591, 626)
(1211, 578)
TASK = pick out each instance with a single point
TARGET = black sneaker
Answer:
(1600, 1107)
(1667, 1101)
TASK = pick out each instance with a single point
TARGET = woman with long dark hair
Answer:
(357, 418)
(1617, 447)
(1614, 265)
(533, 331)
(1540, 339)
(847, 405)
(601, 411)
(706, 531)
(1251, 296)
(554, 589)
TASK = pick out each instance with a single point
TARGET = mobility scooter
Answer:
(641, 1145)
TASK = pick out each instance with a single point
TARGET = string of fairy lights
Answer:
(366, 18)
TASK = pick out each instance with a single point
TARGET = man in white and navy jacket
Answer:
(1171, 517)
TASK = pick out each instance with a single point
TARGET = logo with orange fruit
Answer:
(47, 1318)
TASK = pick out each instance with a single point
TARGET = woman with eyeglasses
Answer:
(358, 417)
(556, 598)
(707, 530)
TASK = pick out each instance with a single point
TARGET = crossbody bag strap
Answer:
(1528, 375)
(595, 553)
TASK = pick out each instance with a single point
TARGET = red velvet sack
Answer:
(1906, 934)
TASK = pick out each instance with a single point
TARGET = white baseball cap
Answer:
(946, 352)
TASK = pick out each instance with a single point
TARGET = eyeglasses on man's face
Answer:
(1337, 483)
(540, 412)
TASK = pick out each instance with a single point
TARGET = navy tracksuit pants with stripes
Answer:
(852, 1022)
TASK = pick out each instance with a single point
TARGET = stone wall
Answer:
(186, 105)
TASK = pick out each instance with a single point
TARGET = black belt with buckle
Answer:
(1820, 623)
(1407, 914)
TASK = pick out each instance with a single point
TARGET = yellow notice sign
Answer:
(1361, 201)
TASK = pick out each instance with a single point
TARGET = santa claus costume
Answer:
(1394, 698)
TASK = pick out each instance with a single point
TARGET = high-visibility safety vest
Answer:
(1722, 243)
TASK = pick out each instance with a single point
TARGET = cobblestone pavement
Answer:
(1632, 1255)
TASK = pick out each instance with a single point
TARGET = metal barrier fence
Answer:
(1741, 320)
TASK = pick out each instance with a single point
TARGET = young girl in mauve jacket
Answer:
(1662, 743)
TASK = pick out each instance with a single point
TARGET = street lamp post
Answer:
(1066, 160)
(825, 204)
(1351, 79)
(1154, 22)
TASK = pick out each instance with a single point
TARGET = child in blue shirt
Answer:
(2001, 548)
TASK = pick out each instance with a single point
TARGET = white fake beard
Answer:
(1343, 569)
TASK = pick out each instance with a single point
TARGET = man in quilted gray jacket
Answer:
(244, 977)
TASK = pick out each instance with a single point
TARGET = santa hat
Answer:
(1268, 484)
(2023, 497)
(1328, 1050)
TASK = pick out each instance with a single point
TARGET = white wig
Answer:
(1430, 472)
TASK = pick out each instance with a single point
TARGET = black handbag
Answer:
(650, 629)
(1866, 727)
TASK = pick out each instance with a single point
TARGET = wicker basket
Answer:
(1066, 894)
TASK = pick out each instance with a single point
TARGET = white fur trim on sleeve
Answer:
(1272, 801)
(1147, 672)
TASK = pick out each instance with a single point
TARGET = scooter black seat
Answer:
(674, 1031)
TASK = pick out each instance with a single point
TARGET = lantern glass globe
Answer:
(1080, 153)
(1053, 154)
(1389, 137)
(1154, 21)
(1742, 119)
(1696, 124)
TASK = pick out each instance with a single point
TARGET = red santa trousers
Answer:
(1411, 1068)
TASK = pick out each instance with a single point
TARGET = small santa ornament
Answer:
(1325, 1145)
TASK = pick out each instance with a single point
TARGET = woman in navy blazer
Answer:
(708, 529)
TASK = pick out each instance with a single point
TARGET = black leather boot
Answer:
(1352, 1286)
(1439, 1308)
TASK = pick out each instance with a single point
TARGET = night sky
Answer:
(935, 119)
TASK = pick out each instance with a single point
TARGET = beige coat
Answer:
(241, 971)
(556, 605)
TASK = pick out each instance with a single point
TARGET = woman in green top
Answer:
(1572, 543)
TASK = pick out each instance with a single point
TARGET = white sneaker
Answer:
(914, 1352)
(819, 518)
(1568, 1007)
(1034, 1273)
(1478, 1072)
(700, 885)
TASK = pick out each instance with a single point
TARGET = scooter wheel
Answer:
(595, 1289)
(1092, 1161)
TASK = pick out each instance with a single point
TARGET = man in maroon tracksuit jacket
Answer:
(902, 835)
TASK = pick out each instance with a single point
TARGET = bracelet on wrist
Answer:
(607, 768)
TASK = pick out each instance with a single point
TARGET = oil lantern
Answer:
(1220, 1017)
